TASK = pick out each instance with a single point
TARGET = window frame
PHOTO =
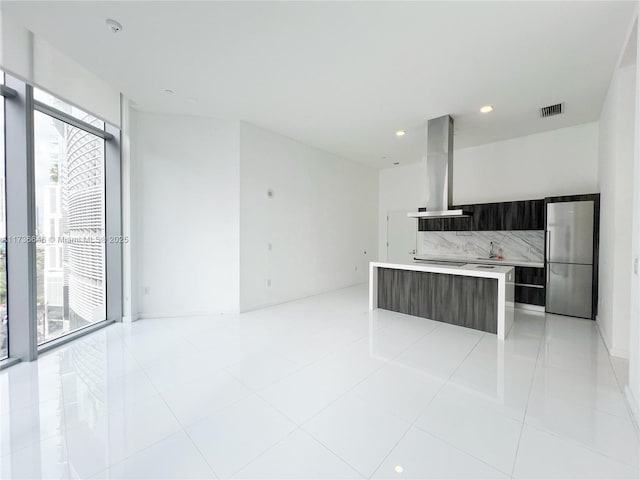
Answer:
(21, 215)
(8, 93)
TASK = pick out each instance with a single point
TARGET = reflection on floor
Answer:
(319, 388)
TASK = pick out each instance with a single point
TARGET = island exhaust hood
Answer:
(439, 171)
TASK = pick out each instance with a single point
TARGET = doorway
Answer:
(401, 237)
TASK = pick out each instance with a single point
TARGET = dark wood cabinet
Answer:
(527, 215)
(430, 225)
(519, 215)
(530, 286)
(489, 216)
(456, 299)
(530, 275)
(460, 224)
(532, 296)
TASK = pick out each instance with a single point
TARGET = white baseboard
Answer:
(532, 308)
(144, 316)
(260, 306)
(633, 405)
(613, 351)
(632, 402)
(130, 318)
(619, 352)
(603, 335)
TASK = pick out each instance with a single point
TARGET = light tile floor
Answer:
(320, 388)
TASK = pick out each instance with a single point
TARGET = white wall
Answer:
(616, 145)
(33, 59)
(633, 388)
(187, 196)
(402, 188)
(320, 221)
(201, 221)
(130, 220)
(558, 162)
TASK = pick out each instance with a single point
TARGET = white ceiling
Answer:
(344, 76)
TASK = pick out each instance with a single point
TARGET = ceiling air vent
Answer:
(552, 110)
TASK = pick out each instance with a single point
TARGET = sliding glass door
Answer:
(69, 184)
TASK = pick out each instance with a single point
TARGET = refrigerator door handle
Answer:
(548, 232)
(548, 272)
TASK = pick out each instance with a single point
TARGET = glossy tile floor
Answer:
(319, 388)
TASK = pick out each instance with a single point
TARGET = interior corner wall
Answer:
(187, 192)
(307, 219)
(557, 162)
(130, 221)
(616, 152)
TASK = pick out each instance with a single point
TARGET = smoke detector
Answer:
(113, 26)
(552, 110)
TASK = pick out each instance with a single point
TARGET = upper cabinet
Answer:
(520, 215)
(444, 224)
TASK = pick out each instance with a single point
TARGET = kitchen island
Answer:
(471, 295)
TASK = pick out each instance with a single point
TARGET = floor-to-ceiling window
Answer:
(69, 184)
(4, 331)
(60, 232)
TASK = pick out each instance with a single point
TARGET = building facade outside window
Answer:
(70, 222)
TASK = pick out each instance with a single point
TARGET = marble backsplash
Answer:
(514, 244)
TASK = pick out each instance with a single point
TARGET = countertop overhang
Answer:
(470, 269)
(481, 261)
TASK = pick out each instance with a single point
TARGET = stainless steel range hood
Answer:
(439, 170)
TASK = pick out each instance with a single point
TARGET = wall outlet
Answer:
(356, 268)
(269, 246)
(147, 290)
(269, 282)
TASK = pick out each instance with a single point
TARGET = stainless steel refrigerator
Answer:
(569, 258)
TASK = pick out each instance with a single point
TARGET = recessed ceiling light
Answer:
(168, 90)
(399, 469)
(486, 109)
(400, 133)
(113, 26)
(396, 163)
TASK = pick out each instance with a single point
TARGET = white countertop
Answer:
(482, 261)
(469, 270)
